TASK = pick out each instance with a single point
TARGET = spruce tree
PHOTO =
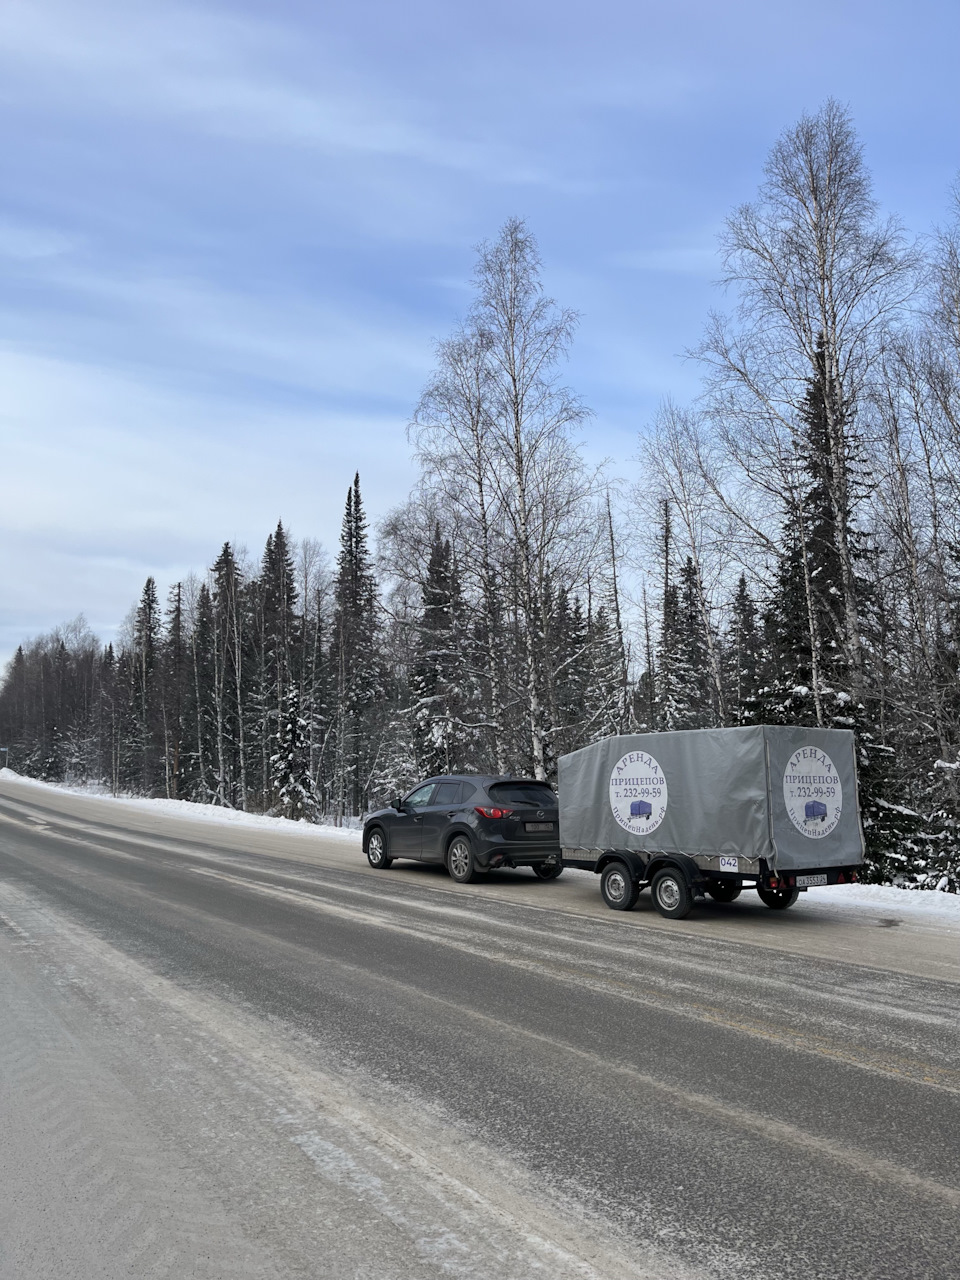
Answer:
(443, 741)
(200, 710)
(699, 694)
(316, 697)
(355, 655)
(13, 725)
(603, 676)
(278, 637)
(568, 650)
(742, 656)
(790, 689)
(233, 674)
(146, 689)
(828, 516)
(173, 687)
(290, 763)
(684, 696)
(108, 714)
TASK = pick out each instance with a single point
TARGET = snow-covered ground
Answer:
(199, 812)
(914, 903)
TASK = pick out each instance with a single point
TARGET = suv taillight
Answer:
(492, 813)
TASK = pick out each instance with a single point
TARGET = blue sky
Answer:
(231, 233)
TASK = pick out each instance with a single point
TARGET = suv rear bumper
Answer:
(516, 856)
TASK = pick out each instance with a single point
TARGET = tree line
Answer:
(788, 553)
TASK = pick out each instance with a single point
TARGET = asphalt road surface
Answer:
(233, 1052)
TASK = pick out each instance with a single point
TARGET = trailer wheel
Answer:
(724, 891)
(671, 894)
(778, 899)
(620, 891)
(547, 870)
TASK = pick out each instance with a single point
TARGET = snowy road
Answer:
(237, 1051)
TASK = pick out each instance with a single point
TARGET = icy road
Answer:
(236, 1051)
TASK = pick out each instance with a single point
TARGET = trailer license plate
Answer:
(538, 826)
(804, 882)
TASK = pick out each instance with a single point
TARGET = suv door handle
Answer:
(452, 815)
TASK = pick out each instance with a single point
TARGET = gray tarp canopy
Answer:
(786, 794)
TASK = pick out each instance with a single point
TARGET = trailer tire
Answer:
(671, 894)
(778, 899)
(618, 888)
(547, 870)
(724, 891)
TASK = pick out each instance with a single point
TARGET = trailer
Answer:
(813, 810)
(700, 812)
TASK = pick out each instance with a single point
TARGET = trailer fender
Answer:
(681, 862)
(635, 864)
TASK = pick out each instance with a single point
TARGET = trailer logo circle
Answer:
(812, 792)
(638, 793)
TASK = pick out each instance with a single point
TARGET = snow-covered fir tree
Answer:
(290, 763)
(357, 659)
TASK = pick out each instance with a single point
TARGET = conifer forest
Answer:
(783, 549)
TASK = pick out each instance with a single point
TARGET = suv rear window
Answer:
(532, 795)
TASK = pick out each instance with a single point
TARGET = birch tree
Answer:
(819, 280)
(451, 433)
(542, 488)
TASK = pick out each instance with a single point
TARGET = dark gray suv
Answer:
(470, 824)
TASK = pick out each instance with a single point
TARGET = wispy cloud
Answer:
(107, 478)
(234, 78)
(180, 324)
(26, 243)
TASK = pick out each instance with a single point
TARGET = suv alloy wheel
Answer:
(377, 854)
(460, 861)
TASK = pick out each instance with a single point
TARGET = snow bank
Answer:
(201, 812)
(886, 897)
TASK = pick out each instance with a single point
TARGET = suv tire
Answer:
(461, 863)
(671, 894)
(618, 888)
(377, 854)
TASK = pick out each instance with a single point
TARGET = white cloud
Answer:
(233, 78)
(326, 345)
(25, 242)
(106, 478)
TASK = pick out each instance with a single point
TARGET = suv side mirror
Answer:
(398, 804)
